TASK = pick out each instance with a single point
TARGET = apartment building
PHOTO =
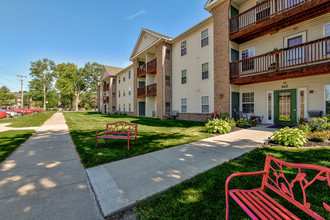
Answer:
(273, 61)
(265, 58)
(124, 94)
(107, 98)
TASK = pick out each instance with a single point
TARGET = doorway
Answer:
(142, 109)
(285, 107)
(234, 104)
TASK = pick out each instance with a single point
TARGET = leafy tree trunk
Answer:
(45, 92)
(71, 99)
(77, 99)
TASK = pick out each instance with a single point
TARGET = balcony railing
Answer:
(141, 92)
(106, 87)
(106, 99)
(262, 11)
(152, 90)
(150, 67)
(291, 57)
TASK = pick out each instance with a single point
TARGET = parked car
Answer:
(21, 112)
(3, 114)
(31, 110)
(10, 112)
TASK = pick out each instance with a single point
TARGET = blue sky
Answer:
(79, 31)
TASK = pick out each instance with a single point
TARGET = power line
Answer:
(8, 86)
(22, 103)
(6, 70)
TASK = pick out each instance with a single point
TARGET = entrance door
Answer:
(285, 107)
(142, 109)
(234, 103)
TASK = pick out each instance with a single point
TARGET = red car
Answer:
(21, 112)
(10, 112)
(32, 110)
(3, 114)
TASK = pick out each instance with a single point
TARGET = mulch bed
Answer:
(309, 144)
(233, 129)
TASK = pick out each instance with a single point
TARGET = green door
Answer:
(233, 11)
(285, 107)
(234, 104)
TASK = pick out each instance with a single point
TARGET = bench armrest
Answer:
(227, 183)
(99, 130)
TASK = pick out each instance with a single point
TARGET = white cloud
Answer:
(136, 14)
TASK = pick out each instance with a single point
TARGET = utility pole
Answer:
(22, 103)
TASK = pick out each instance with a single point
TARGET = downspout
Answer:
(164, 69)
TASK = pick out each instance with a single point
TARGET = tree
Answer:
(4, 89)
(7, 99)
(76, 81)
(42, 73)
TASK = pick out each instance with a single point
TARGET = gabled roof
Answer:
(125, 70)
(211, 4)
(109, 71)
(158, 37)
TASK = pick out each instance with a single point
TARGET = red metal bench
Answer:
(119, 130)
(257, 204)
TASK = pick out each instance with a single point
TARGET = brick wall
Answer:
(134, 75)
(160, 53)
(168, 72)
(221, 57)
(193, 116)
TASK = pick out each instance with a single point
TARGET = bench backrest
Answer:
(296, 178)
(121, 127)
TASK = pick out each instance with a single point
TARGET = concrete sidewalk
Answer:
(119, 184)
(43, 178)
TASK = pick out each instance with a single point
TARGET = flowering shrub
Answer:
(319, 124)
(253, 122)
(302, 121)
(231, 122)
(306, 128)
(222, 116)
(290, 137)
(242, 123)
(218, 126)
(319, 136)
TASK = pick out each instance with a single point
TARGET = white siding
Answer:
(125, 85)
(146, 41)
(195, 87)
(315, 100)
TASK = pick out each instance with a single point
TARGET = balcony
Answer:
(106, 99)
(273, 15)
(307, 59)
(141, 92)
(106, 87)
(150, 67)
(152, 90)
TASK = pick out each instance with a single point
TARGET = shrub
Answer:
(319, 136)
(290, 137)
(242, 123)
(253, 122)
(218, 125)
(302, 121)
(86, 106)
(306, 128)
(319, 124)
(222, 116)
(231, 122)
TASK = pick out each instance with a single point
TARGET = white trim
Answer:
(324, 99)
(241, 52)
(146, 48)
(303, 35)
(298, 102)
(272, 107)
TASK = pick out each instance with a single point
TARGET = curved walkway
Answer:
(118, 185)
(44, 179)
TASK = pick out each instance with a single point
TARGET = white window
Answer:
(129, 91)
(124, 107)
(119, 93)
(183, 48)
(184, 105)
(119, 80)
(327, 30)
(205, 70)
(124, 92)
(119, 107)
(183, 76)
(205, 38)
(205, 104)
(248, 102)
(129, 74)
(327, 99)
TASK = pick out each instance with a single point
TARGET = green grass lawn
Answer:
(33, 120)
(153, 135)
(10, 140)
(204, 196)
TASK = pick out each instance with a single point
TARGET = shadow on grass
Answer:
(204, 196)
(10, 140)
(117, 149)
(150, 121)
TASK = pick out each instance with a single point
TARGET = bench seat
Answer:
(116, 136)
(263, 206)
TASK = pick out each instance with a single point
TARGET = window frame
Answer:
(168, 80)
(129, 74)
(184, 49)
(205, 38)
(249, 65)
(241, 94)
(167, 107)
(184, 78)
(184, 106)
(325, 98)
(205, 74)
(208, 104)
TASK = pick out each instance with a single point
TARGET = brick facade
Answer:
(221, 57)
(160, 54)
(193, 116)
(134, 75)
